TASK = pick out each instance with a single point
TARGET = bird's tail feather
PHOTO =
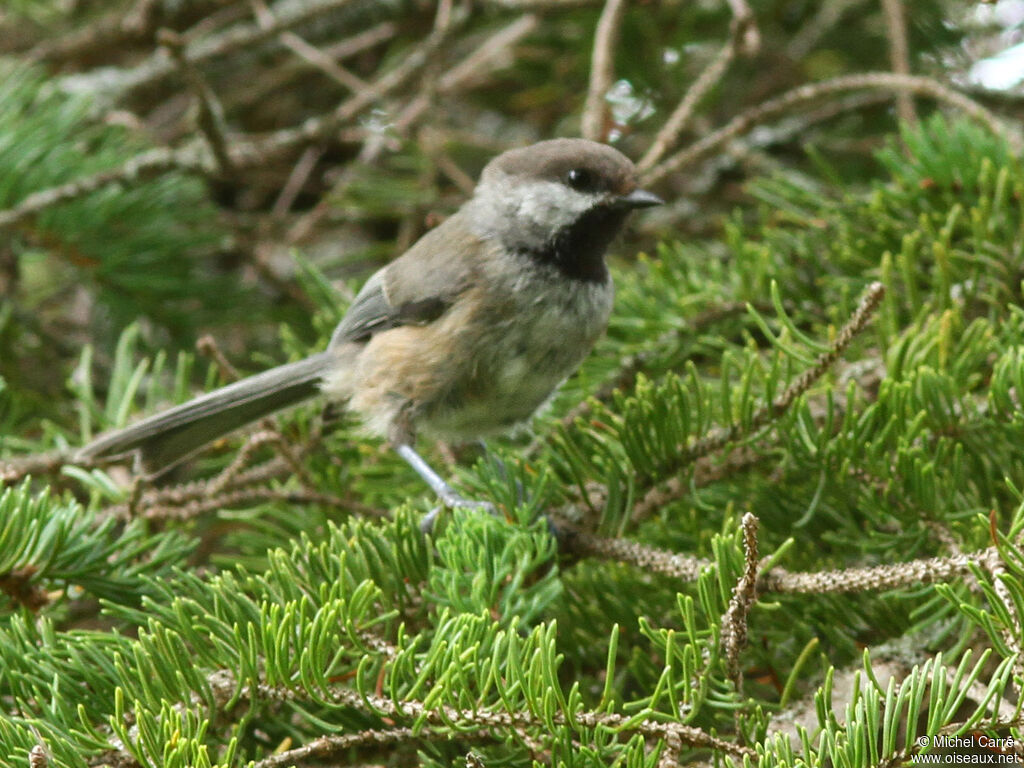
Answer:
(168, 437)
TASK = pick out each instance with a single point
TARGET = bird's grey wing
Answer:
(414, 289)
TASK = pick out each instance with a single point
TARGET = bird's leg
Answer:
(402, 436)
(449, 496)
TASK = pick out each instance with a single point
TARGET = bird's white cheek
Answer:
(548, 206)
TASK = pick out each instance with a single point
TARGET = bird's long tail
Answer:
(166, 438)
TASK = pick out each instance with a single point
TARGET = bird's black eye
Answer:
(581, 179)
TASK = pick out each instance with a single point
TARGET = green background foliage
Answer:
(287, 599)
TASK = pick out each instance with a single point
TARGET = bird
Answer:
(463, 336)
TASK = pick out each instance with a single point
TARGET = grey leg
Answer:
(449, 496)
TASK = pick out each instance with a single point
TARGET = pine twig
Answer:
(681, 115)
(744, 37)
(506, 721)
(304, 50)
(734, 622)
(138, 170)
(207, 345)
(899, 54)
(602, 69)
(781, 581)
(327, 747)
(235, 38)
(721, 437)
(211, 121)
(686, 568)
(804, 94)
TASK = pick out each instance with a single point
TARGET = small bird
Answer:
(464, 335)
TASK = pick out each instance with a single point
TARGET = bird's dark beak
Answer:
(638, 198)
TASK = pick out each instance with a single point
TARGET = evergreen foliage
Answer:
(776, 519)
(364, 637)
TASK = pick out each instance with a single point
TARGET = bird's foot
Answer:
(451, 499)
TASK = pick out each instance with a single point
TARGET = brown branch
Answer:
(327, 747)
(680, 117)
(320, 128)
(804, 94)
(235, 38)
(488, 56)
(207, 346)
(211, 121)
(778, 580)
(743, 38)
(602, 70)
(304, 50)
(829, 14)
(196, 157)
(506, 721)
(282, 76)
(114, 31)
(734, 622)
(137, 170)
(899, 54)
(16, 469)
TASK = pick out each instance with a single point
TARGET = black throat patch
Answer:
(578, 249)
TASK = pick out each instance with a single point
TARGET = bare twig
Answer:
(899, 54)
(319, 128)
(296, 181)
(680, 117)
(744, 27)
(804, 94)
(232, 39)
(211, 120)
(197, 158)
(734, 622)
(779, 580)
(602, 70)
(491, 54)
(16, 469)
(508, 721)
(207, 345)
(317, 58)
(281, 76)
(744, 38)
(829, 14)
(328, 746)
(114, 31)
(881, 577)
(137, 170)
(686, 568)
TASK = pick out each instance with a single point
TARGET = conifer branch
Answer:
(211, 121)
(138, 170)
(721, 437)
(602, 70)
(804, 94)
(744, 39)
(326, 747)
(734, 622)
(779, 580)
(517, 722)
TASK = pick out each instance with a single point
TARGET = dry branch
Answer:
(805, 94)
(602, 70)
